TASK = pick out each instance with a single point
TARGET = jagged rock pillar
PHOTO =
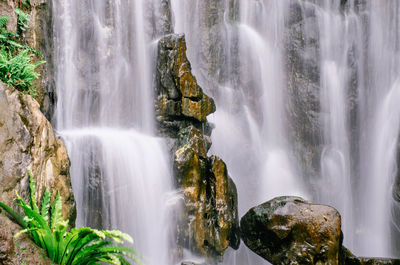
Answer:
(208, 221)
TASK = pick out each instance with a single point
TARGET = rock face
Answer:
(21, 250)
(305, 87)
(208, 220)
(210, 197)
(27, 140)
(180, 100)
(290, 230)
(302, 64)
(40, 37)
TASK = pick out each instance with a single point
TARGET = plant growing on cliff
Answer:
(77, 247)
(18, 70)
(16, 60)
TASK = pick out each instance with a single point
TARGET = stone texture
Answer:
(6, 244)
(207, 222)
(21, 250)
(210, 198)
(179, 95)
(163, 18)
(302, 64)
(290, 230)
(6, 9)
(27, 140)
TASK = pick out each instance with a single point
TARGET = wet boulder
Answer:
(290, 230)
(210, 222)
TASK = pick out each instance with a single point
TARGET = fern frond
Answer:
(56, 209)
(32, 189)
(3, 23)
(17, 217)
(81, 246)
(44, 211)
(27, 230)
(23, 18)
(118, 236)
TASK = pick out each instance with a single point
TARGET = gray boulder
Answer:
(290, 230)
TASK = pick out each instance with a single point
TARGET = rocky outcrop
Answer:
(180, 100)
(19, 250)
(208, 220)
(40, 37)
(27, 140)
(290, 230)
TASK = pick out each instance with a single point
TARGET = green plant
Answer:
(23, 18)
(79, 246)
(18, 71)
(16, 60)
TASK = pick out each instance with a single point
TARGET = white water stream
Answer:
(239, 54)
(120, 172)
(357, 65)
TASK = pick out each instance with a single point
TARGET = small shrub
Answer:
(79, 246)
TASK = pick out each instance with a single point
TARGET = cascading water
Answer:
(349, 55)
(250, 105)
(119, 170)
(380, 124)
(340, 98)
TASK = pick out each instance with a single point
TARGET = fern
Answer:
(44, 211)
(56, 217)
(23, 18)
(18, 70)
(80, 246)
(32, 191)
(3, 23)
(16, 67)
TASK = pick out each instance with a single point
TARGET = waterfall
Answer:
(380, 125)
(250, 133)
(307, 95)
(120, 172)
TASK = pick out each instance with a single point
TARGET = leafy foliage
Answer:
(18, 71)
(23, 18)
(16, 60)
(79, 246)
